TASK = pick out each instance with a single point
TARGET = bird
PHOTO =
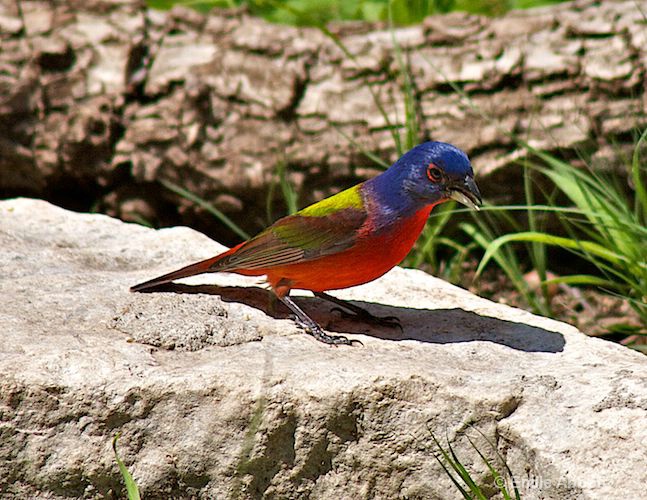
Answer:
(350, 238)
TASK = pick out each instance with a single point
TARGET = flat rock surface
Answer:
(217, 394)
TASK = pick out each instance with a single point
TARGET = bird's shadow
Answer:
(438, 326)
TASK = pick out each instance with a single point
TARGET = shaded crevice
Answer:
(289, 112)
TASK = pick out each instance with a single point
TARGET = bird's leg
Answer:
(359, 313)
(311, 326)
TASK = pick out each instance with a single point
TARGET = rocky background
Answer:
(101, 101)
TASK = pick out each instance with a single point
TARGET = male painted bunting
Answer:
(350, 238)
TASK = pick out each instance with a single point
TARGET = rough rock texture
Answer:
(101, 100)
(271, 411)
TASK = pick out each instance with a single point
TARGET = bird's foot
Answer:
(318, 333)
(312, 327)
(366, 317)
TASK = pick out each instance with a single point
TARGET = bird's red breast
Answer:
(374, 253)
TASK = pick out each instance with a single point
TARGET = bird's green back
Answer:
(349, 198)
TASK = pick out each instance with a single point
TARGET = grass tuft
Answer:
(605, 229)
(462, 479)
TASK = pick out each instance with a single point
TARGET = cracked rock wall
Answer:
(101, 100)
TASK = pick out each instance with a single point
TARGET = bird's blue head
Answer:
(428, 174)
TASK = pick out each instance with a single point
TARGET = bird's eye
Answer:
(434, 174)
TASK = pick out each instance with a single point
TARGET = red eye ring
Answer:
(434, 173)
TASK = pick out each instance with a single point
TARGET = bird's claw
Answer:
(366, 317)
(317, 332)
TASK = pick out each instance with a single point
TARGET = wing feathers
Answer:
(296, 238)
(269, 258)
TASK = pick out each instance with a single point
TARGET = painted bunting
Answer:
(350, 238)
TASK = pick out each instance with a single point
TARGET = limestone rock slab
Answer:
(217, 394)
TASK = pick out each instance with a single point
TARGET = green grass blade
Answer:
(465, 475)
(289, 194)
(131, 487)
(537, 251)
(604, 206)
(448, 460)
(623, 225)
(499, 481)
(581, 279)
(207, 206)
(548, 239)
(641, 191)
(509, 265)
(503, 461)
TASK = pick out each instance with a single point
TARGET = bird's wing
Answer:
(297, 238)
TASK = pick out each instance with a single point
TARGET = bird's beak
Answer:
(467, 193)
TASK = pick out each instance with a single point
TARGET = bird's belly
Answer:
(355, 267)
(370, 258)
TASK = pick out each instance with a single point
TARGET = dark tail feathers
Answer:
(203, 266)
